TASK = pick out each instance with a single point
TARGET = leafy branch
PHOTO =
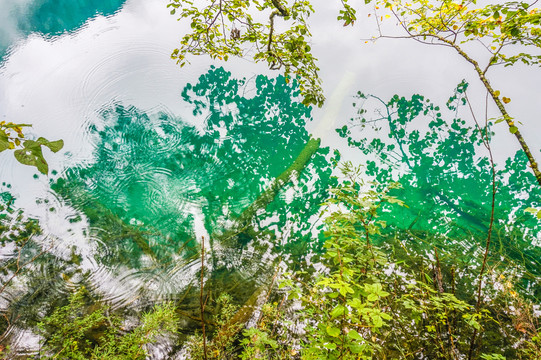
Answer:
(497, 27)
(224, 28)
(27, 152)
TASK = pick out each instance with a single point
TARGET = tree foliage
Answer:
(364, 302)
(508, 33)
(26, 151)
(227, 28)
(446, 181)
(76, 331)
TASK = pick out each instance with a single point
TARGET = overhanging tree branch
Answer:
(443, 23)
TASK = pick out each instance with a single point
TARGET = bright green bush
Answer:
(83, 330)
(365, 303)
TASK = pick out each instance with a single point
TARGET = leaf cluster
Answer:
(365, 303)
(84, 329)
(227, 28)
(499, 27)
(27, 152)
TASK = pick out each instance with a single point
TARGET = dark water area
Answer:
(50, 18)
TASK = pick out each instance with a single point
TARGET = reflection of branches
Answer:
(393, 131)
(403, 153)
(8, 327)
(495, 95)
(486, 142)
(20, 266)
(434, 34)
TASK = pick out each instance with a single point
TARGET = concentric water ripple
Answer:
(150, 166)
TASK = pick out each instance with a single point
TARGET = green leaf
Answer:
(333, 295)
(377, 321)
(337, 311)
(330, 346)
(356, 303)
(54, 146)
(352, 334)
(332, 331)
(513, 129)
(372, 297)
(357, 349)
(32, 156)
(4, 142)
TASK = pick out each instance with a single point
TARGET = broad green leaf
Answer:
(352, 334)
(372, 297)
(330, 346)
(333, 295)
(54, 146)
(32, 156)
(377, 321)
(357, 349)
(337, 311)
(356, 303)
(332, 331)
(4, 142)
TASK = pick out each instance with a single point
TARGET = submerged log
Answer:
(291, 173)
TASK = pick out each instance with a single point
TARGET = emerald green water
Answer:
(445, 175)
(154, 176)
(52, 17)
(248, 178)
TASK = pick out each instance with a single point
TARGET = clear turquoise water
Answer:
(154, 176)
(53, 17)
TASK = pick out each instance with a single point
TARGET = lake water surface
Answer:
(158, 159)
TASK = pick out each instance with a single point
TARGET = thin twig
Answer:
(201, 302)
(486, 142)
(442, 40)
